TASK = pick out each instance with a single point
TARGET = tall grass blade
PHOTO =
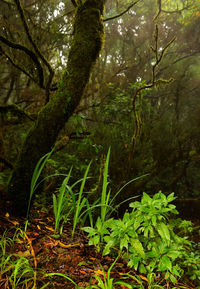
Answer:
(129, 182)
(59, 203)
(36, 174)
(104, 188)
(80, 202)
(61, 275)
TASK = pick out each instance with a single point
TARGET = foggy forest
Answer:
(99, 144)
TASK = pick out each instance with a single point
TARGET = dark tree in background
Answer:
(88, 34)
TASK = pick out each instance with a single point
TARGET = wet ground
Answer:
(63, 255)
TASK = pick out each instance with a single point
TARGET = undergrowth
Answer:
(147, 236)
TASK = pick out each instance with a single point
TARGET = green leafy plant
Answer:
(191, 262)
(79, 206)
(145, 237)
(106, 205)
(15, 270)
(149, 241)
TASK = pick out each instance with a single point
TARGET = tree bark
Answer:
(86, 45)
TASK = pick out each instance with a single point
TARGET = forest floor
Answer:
(72, 257)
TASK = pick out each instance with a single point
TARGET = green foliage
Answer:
(191, 262)
(79, 204)
(147, 239)
(61, 207)
(60, 204)
(106, 205)
(36, 174)
(15, 270)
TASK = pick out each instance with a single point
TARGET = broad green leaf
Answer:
(89, 230)
(163, 231)
(171, 197)
(99, 224)
(175, 270)
(94, 241)
(134, 262)
(173, 279)
(106, 250)
(165, 264)
(138, 221)
(134, 204)
(174, 254)
(146, 199)
(152, 254)
(132, 233)
(137, 245)
(107, 238)
(142, 269)
(154, 219)
(146, 232)
(124, 242)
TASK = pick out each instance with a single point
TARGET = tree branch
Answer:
(154, 81)
(160, 10)
(19, 67)
(15, 110)
(30, 53)
(26, 28)
(122, 13)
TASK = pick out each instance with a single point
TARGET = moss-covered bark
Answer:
(85, 48)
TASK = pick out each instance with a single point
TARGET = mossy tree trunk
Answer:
(86, 45)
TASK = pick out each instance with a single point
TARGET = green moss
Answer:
(85, 48)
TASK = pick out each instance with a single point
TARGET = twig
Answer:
(14, 109)
(122, 13)
(51, 72)
(30, 53)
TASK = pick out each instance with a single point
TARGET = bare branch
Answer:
(122, 13)
(30, 53)
(26, 28)
(160, 10)
(15, 110)
(159, 3)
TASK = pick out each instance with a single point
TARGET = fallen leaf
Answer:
(15, 223)
(82, 272)
(98, 272)
(83, 284)
(25, 254)
(143, 278)
(67, 245)
(38, 226)
(49, 228)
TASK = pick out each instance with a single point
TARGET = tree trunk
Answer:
(86, 45)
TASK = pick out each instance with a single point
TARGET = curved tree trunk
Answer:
(85, 48)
